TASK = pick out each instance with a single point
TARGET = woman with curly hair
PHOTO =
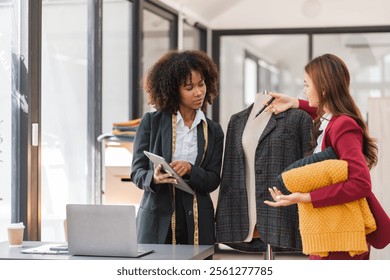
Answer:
(178, 85)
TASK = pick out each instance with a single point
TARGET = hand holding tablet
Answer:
(157, 160)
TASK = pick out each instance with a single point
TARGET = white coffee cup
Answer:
(15, 234)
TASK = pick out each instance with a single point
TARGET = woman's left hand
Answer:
(181, 167)
(286, 200)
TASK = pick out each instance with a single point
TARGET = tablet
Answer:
(181, 184)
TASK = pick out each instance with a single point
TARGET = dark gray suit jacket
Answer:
(285, 139)
(154, 134)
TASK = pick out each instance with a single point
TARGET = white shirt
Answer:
(324, 123)
(187, 138)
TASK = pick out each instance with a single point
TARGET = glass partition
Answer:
(116, 154)
(367, 56)
(63, 113)
(156, 42)
(116, 57)
(250, 80)
(281, 59)
(6, 11)
(191, 38)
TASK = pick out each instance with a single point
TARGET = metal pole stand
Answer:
(269, 255)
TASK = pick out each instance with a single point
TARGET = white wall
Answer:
(379, 112)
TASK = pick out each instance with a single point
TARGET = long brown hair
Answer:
(331, 79)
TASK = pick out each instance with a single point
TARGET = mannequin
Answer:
(253, 129)
(256, 151)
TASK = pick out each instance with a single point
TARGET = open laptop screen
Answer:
(102, 230)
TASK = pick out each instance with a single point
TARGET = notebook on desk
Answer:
(102, 230)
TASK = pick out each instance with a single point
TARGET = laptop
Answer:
(102, 230)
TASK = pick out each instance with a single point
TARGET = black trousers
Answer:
(182, 229)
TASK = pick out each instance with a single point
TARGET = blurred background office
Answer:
(70, 69)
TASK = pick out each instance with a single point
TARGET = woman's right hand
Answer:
(281, 103)
(161, 177)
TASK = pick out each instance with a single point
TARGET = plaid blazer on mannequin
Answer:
(285, 139)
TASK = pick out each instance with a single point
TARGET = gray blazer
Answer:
(285, 139)
(154, 134)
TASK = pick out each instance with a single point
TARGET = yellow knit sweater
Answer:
(335, 228)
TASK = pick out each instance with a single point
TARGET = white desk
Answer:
(162, 252)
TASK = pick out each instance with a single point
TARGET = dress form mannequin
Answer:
(257, 150)
(253, 129)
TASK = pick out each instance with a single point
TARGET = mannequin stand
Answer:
(269, 255)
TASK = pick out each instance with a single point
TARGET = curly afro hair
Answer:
(172, 70)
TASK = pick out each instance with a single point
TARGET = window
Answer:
(367, 58)
(6, 95)
(116, 62)
(64, 113)
(254, 63)
(157, 33)
(194, 36)
(250, 79)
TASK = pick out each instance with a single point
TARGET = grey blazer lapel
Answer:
(271, 125)
(242, 118)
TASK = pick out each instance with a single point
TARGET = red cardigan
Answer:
(346, 138)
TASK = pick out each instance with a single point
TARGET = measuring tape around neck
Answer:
(195, 202)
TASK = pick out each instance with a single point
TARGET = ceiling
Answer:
(261, 14)
(257, 14)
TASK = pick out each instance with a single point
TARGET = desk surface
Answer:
(162, 252)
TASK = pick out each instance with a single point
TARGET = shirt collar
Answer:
(325, 120)
(200, 116)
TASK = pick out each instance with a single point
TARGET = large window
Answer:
(58, 168)
(270, 66)
(251, 74)
(194, 36)
(64, 113)
(284, 55)
(259, 76)
(159, 36)
(5, 116)
(367, 56)
(116, 58)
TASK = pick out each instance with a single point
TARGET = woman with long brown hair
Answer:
(339, 125)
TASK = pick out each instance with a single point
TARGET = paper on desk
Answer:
(45, 250)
